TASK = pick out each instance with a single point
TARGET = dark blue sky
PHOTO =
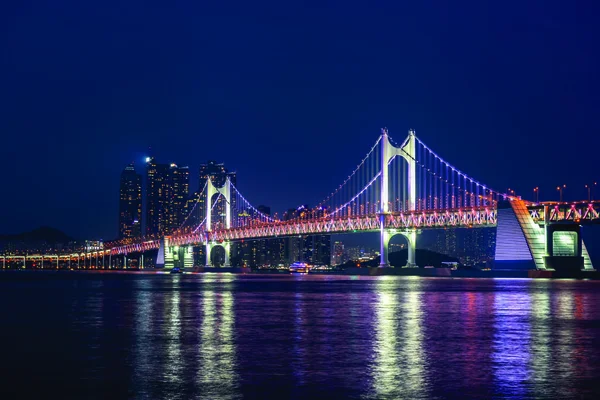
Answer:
(291, 95)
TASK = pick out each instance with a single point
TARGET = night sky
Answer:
(290, 95)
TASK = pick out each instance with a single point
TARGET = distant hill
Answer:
(398, 259)
(41, 234)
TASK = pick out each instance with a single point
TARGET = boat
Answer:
(176, 270)
(299, 267)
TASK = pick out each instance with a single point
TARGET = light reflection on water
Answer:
(173, 367)
(230, 336)
(217, 351)
(398, 371)
(299, 358)
(510, 356)
(565, 342)
(144, 324)
(541, 334)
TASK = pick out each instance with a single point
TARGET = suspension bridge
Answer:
(397, 189)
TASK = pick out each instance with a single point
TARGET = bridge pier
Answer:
(209, 247)
(169, 257)
(227, 247)
(411, 239)
(565, 249)
(188, 257)
(384, 240)
(162, 250)
(523, 244)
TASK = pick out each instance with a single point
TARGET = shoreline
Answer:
(373, 271)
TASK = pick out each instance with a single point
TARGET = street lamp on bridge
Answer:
(590, 189)
(560, 190)
(536, 193)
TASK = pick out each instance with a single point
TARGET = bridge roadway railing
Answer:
(473, 217)
(135, 247)
(582, 212)
(429, 219)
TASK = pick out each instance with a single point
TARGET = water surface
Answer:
(223, 336)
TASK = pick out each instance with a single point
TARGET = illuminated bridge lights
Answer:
(465, 218)
(578, 212)
(429, 193)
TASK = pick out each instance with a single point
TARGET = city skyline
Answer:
(168, 204)
(500, 93)
(130, 203)
(167, 191)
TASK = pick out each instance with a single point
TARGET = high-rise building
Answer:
(293, 244)
(259, 252)
(193, 215)
(217, 172)
(130, 203)
(337, 257)
(478, 246)
(313, 249)
(263, 246)
(157, 194)
(320, 251)
(352, 253)
(277, 251)
(439, 244)
(167, 190)
(450, 243)
(293, 249)
(180, 189)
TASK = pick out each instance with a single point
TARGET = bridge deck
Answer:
(581, 212)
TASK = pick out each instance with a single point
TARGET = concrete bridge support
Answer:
(210, 246)
(411, 239)
(523, 244)
(160, 256)
(169, 256)
(565, 248)
(227, 246)
(188, 257)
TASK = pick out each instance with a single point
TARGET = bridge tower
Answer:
(225, 191)
(407, 151)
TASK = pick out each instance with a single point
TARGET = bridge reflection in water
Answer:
(232, 336)
(398, 370)
(217, 372)
(541, 333)
(512, 343)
